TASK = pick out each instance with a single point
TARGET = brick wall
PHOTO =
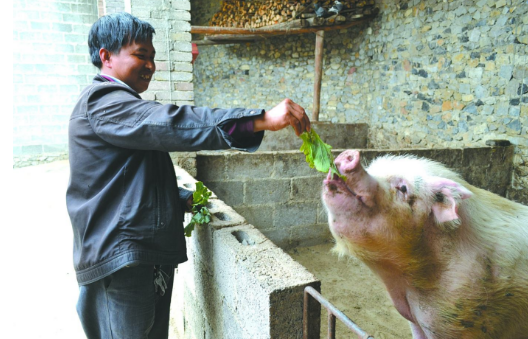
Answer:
(112, 6)
(51, 65)
(173, 78)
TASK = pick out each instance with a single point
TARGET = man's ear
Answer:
(105, 55)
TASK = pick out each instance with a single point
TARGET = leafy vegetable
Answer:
(318, 154)
(200, 213)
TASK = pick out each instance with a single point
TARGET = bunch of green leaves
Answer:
(318, 154)
(199, 210)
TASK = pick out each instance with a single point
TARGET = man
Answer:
(123, 199)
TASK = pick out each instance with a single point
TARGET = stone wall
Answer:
(423, 74)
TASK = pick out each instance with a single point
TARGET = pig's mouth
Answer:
(335, 185)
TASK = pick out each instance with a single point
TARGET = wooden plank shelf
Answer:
(230, 35)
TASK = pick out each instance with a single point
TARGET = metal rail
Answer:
(333, 313)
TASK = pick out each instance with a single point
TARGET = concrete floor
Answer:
(39, 282)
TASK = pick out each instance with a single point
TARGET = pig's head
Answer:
(383, 213)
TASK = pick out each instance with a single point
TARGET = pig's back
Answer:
(487, 286)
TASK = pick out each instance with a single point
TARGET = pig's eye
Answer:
(403, 189)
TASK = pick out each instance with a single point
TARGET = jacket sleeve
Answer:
(184, 196)
(120, 117)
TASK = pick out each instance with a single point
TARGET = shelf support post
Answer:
(319, 49)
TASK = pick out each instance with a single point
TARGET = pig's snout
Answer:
(348, 161)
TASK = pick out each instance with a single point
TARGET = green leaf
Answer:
(318, 154)
(188, 229)
(201, 194)
(201, 214)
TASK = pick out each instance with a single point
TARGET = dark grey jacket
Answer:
(122, 197)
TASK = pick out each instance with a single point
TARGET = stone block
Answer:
(309, 235)
(242, 290)
(162, 96)
(232, 192)
(267, 191)
(182, 67)
(182, 15)
(184, 86)
(295, 214)
(211, 166)
(279, 236)
(182, 76)
(182, 4)
(288, 164)
(181, 56)
(223, 215)
(181, 36)
(182, 46)
(180, 26)
(306, 189)
(259, 216)
(271, 282)
(247, 166)
(179, 95)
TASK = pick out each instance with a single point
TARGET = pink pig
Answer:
(453, 257)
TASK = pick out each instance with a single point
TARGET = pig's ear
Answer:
(447, 195)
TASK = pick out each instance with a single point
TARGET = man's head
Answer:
(121, 46)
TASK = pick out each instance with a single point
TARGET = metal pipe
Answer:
(333, 312)
(306, 315)
(331, 325)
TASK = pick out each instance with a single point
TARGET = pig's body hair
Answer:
(474, 276)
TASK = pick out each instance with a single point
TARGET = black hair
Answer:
(114, 31)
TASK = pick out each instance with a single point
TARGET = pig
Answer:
(453, 257)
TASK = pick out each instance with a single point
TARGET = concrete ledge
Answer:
(237, 283)
(223, 215)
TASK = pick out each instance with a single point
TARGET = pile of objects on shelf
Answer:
(256, 14)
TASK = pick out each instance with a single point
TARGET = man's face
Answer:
(134, 65)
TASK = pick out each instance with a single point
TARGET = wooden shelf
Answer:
(231, 35)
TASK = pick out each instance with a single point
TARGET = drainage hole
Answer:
(243, 238)
(188, 185)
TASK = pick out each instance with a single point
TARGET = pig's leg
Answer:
(417, 332)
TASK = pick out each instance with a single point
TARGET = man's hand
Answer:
(189, 204)
(287, 113)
